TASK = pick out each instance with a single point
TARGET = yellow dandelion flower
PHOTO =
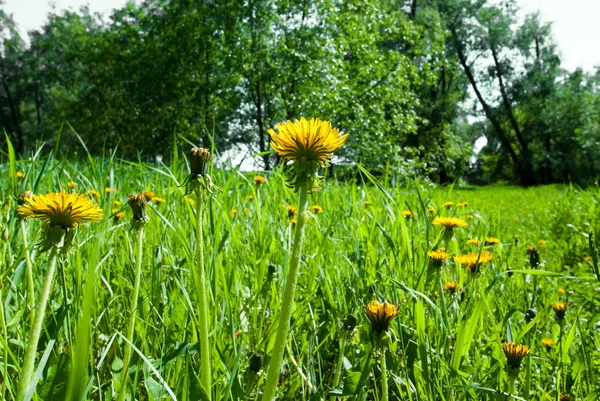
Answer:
(159, 201)
(60, 213)
(110, 190)
(548, 343)
(492, 241)
(116, 204)
(233, 212)
(149, 195)
(316, 209)
(542, 243)
(515, 353)
(449, 223)
(293, 222)
(588, 259)
(561, 291)
(118, 215)
(437, 258)
(311, 140)
(469, 217)
(448, 205)
(367, 203)
(451, 287)
(20, 175)
(473, 261)
(259, 180)
(380, 315)
(292, 211)
(249, 197)
(191, 201)
(407, 214)
(461, 204)
(473, 241)
(72, 185)
(92, 193)
(559, 309)
(431, 211)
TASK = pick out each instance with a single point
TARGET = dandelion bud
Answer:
(138, 207)
(514, 354)
(530, 314)
(5, 235)
(559, 309)
(380, 315)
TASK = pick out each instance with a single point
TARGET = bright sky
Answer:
(575, 22)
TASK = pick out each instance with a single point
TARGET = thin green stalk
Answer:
(205, 367)
(29, 272)
(132, 312)
(36, 329)
(5, 339)
(287, 301)
(384, 382)
(511, 384)
(338, 367)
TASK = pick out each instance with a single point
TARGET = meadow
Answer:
(444, 344)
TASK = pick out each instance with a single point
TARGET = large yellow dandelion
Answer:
(437, 258)
(381, 314)
(312, 140)
(473, 261)
(449, 223)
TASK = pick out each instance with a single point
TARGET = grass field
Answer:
(441, 346)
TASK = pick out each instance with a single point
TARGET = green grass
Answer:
(442, 347)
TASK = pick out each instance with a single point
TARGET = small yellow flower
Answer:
(259, 180)
(437, 258)
(469, 217)
(407, 214)
(473, 241)
(233, 212)
(367, 203)
(380, 315)
(559, 309)
(149, 195)
(561, 291)
(158, 201)
(461, 204)
(588, 259)
(451, 287)
(92, 193)
(249, 197)
(191, 201)
(292, 211)
(473, 261)
(118, 215)
(110, 190)
(515, 353)
(311, 140)
(316, 209)
(293, 222)
(431, 211)
(20, 175)
(449, 223)
(492, 241)
(448, 205)
(542, 243)
(72, 185)
(116, 204)
(548, 343)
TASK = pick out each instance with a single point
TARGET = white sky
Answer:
(575, 22)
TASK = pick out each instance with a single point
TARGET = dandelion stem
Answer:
(384, 382)
(205, 367)
(29, 272)
(287, 301)
(338, 367)
(132, 312)
(36, 328)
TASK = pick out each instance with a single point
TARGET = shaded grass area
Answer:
(442, 346)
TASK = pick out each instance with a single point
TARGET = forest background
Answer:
(414, 82)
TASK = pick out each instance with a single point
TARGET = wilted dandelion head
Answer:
(311, 140)
(534, 257)
(380, 315)
(559, 308)
(515, 353)
(138, 207)
(473, 261)
(199, 159)
(316, 209)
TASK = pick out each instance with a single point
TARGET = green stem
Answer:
(287, 302)
(36, 329)
(205, 367)
(132, 312)
(29, 272)
(338, 367)
(511, 384)
(560, 356)
(384, 382)
(5, 340)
